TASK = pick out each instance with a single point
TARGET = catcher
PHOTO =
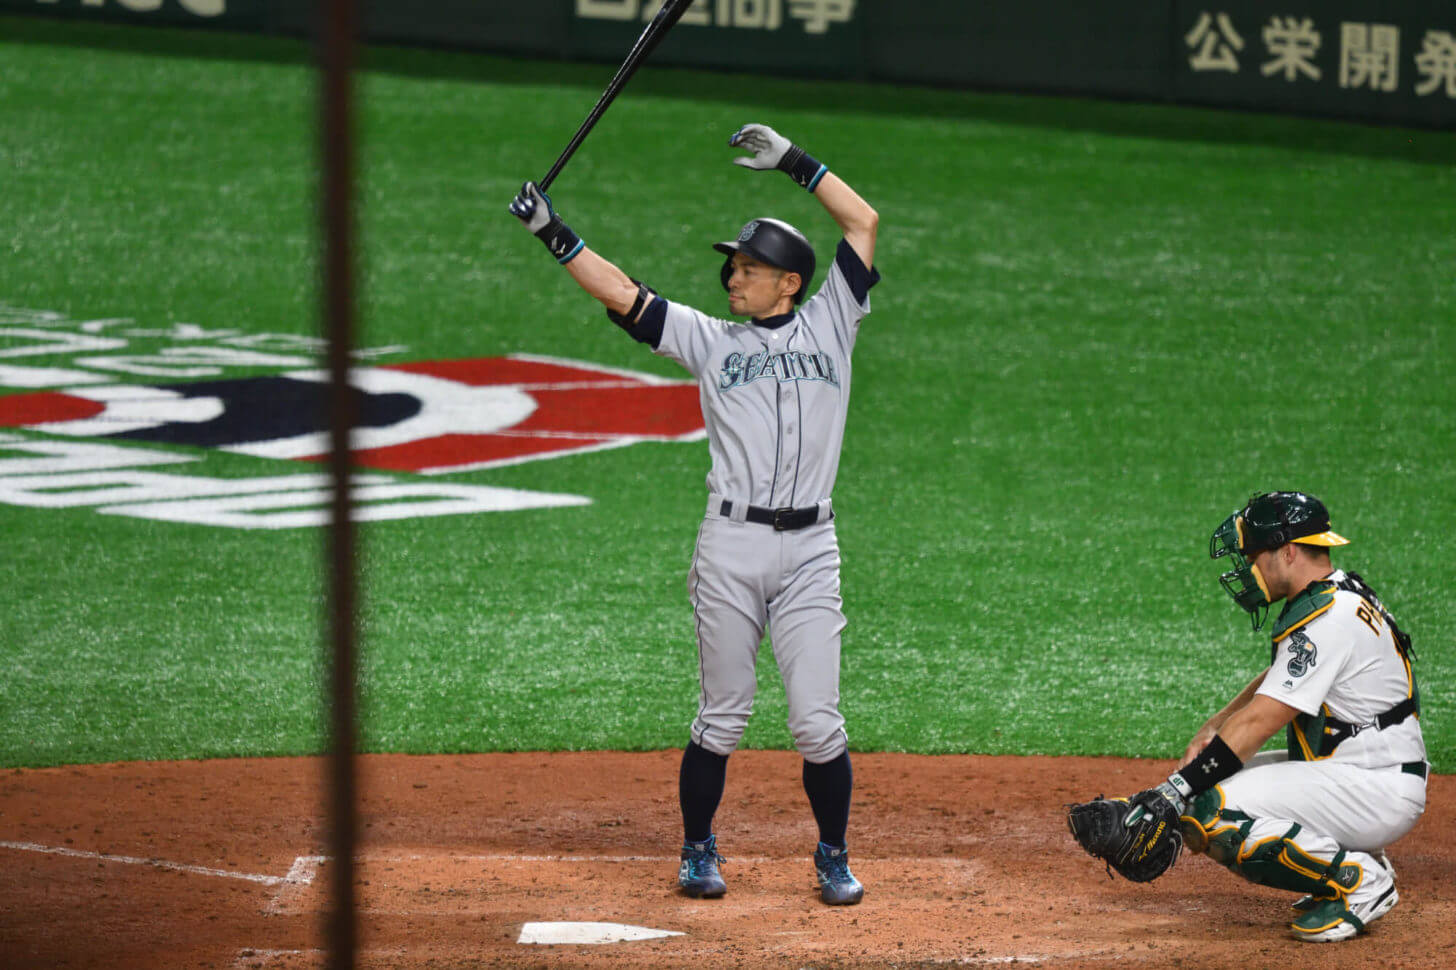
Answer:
(1314, 819)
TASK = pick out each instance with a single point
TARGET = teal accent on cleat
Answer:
(837, 885)
(698, 874)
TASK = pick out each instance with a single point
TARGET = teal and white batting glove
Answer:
(533, 208)
(772, 150)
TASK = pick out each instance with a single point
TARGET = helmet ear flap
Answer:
(726, 271)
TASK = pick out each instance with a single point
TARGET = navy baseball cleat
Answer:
(698, 875)
(837, 885)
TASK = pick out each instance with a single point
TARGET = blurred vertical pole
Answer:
(338, 32)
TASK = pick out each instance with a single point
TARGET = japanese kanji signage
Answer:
(1388, 61)
(814, 16)
(786, 36)
(1355, 58)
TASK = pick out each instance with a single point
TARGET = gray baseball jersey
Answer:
(774, 395)
(774, 398)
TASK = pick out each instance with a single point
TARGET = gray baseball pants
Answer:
(746, 578)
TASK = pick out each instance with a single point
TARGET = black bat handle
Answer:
(578, 138)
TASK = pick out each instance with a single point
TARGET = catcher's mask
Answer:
(1270, 520)
(773, 242)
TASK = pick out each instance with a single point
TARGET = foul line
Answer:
(251, 959)
(300, 875)
(295, 874)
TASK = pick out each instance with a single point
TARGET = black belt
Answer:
(1417, 768)
(783, 520)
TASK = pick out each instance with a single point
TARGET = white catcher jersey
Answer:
(1345, 660)
(775, 397)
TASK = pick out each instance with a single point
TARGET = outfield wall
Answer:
(1387, 61)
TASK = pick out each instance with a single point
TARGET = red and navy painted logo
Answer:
(431, 417)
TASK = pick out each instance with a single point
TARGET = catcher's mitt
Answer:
(1140, 837)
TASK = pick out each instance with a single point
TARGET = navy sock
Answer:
(828, 787)
(699, 789)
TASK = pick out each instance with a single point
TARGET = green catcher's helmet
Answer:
(1270, 520)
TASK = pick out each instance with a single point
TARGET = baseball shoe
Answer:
(837, 885)
(698, 875)
(1332, 920)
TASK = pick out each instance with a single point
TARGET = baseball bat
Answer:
(669, 14)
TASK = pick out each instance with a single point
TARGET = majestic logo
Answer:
(431, 417)
(1303, 653)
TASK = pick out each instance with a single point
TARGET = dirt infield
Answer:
(966, 862)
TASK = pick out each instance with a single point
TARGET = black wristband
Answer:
(628, 320)
(802, 167)
(560, 240)
(1214, 763)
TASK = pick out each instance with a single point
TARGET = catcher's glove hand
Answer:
(1140, 837)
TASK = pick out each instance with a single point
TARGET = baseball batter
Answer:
(774, 394)
(1314, 819)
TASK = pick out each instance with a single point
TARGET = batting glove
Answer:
(772, 150)
(533, 208)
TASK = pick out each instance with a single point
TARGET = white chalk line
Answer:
(300, 876)
(250, 958)
(159, 863)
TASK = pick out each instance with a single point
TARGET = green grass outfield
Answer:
(1101, 327)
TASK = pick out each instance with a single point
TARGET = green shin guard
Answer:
(1282, 864)
(1223, 835)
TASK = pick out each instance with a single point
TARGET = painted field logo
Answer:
(431, 418)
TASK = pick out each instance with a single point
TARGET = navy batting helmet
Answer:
(773, 242)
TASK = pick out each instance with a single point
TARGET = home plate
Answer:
(588, 933)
